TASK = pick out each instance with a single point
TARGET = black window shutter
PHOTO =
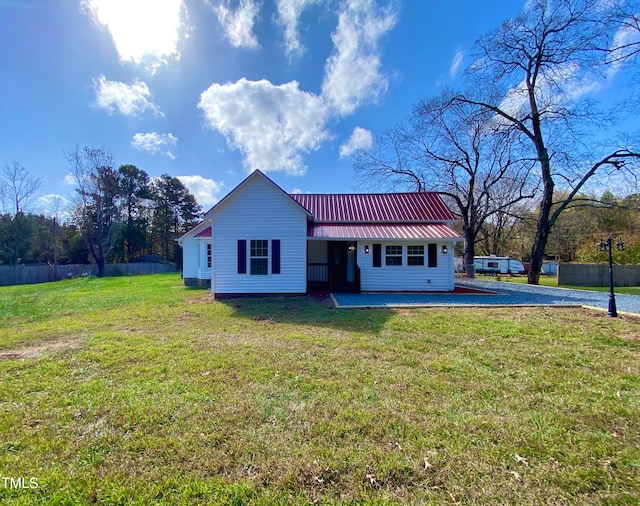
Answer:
(242, 256)
(433, 255)
(275, 256)
(377, 255)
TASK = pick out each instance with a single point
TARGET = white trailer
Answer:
(494, 265)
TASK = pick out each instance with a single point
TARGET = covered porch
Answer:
(332, 266)
(352, 258)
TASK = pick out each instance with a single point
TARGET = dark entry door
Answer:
(338, 266)
(343, 266)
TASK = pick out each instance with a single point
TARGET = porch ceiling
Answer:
(383, 231)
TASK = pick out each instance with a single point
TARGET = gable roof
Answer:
(198, 229)
(420, 207)
(255, 174)
(359, 215)
(205, 233)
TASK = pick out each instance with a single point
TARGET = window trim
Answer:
(208, 254)
(416, 255)
(273, 257)
(388, 255)
(266, 258)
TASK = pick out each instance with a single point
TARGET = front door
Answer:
(342, 262)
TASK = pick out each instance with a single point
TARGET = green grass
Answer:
(546, 280)
(140, 391)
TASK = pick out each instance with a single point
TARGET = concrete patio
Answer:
(497, 294)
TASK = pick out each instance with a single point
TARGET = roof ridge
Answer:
(365, 193)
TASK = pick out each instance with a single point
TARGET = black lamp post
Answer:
(607, 246)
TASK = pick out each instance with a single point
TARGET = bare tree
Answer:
(54, 209)
(452, 148)
(96, 209)
(17, 187)
(542, 65)
(623, 45)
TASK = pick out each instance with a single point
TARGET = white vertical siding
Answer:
(190, 258)
(406, 277)
(204, 272)
(258, 210)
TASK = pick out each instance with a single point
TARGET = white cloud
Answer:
(238, 24)
(53, 206)
(69, 179)
(204, 190)
(129, 99)
(563, 84)
(353, 70)
(142, 30)
(154, 143)
(275, 125)
(625, 42)
(289, 12)
(360, 139)
(270, 124)
(455, 64)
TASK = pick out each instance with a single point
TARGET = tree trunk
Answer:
(537, 255)
(55, 248)
(101, 264)
(544, 225)
(469, 252)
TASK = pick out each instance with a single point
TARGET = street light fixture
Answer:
(607, 246)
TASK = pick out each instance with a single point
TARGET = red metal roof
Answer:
(375, 207)
(383, 231)
(205, 233)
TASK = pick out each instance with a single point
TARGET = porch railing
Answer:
(318, 274)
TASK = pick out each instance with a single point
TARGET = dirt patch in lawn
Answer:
(37, 350)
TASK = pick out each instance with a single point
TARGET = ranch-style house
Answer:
(261, 240)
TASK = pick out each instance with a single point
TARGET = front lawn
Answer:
(140, 391)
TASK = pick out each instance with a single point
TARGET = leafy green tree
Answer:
(175, 210)
(74, 249)
(16, 233)
(590, 253)
(17, 187)
(134, 193)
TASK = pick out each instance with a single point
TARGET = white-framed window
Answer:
(415, 255)
(393, 254)
(259, 257)
(209, 251)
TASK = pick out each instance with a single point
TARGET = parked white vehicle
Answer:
(494, 265)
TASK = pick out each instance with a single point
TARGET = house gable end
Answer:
(254, 177)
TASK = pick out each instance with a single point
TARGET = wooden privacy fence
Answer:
(28, 274)
(597, 275)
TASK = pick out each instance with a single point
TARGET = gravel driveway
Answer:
(506, 294)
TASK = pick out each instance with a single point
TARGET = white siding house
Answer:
(260, 240)
(260, 218)
(196, 267)
(407, 276)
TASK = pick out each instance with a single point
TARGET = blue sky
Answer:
(208, 90)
